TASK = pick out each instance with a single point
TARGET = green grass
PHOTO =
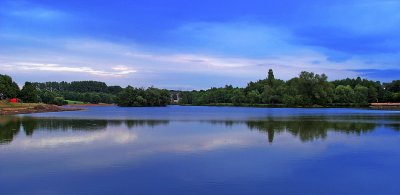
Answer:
(6, 104)
(74, 102)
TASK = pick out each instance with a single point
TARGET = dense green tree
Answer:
(309, 89)
(268, 94)
(135, 97)
(238, 97)
(271, 77)
(29, 93)
(186, 97)
(372, 94)
(59, 101)
(254, 97)
(47, 97)
(88, 86)
(8, 88)
(114, 89)
(394, 86)
(375, 88)
(361, 94)
(315, 88)
(344, 94)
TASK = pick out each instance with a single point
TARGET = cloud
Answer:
(105, 60)
(233, 52)
(115, 137)
(28, 66)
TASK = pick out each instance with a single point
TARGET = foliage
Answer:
(308, 89)
(29, 93)
(136, 97)
(344, 94)
(60, 101)
(8, 88)
(254, 97)
(361, 94)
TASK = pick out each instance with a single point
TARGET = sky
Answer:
(181, 44)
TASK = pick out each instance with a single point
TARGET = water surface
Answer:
(198, 150)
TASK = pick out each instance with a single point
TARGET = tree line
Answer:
(84, 91)
(307, 89)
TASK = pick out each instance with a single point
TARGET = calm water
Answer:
(201, 150)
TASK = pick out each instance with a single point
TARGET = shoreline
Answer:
(89, 105)
(43, 108)
(385, 106)
(35, 109)
(373, 106)
(273, 106)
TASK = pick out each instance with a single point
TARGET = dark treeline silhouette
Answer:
(308, 89)
(11, 126)
(8, 88)
(79, 86)
(84, 91)
(151, 96)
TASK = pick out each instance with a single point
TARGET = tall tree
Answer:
(271, 77)
(8, 88)
(344, 94)
(29, 93)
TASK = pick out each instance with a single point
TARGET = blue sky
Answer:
(180, 44)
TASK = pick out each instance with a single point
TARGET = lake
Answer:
(201, 150)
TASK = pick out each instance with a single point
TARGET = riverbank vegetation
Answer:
(82, 92)
(133, 97)
(306, 90)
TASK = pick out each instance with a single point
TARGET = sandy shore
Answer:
(79, 105)
(35, 109)
(386, 106)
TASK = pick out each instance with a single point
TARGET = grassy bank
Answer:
(74, 102)
(7, 108)
(6, 104)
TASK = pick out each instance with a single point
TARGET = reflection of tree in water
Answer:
(31, 124)
(308, 130)
(395, 126)
(150, 123)
(9, 127)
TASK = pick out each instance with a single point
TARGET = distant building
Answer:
(175, 97)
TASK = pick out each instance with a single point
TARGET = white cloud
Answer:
(29, 66)
(115, 137)
(105, 61)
